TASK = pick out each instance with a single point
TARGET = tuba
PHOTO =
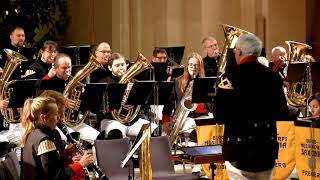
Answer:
(126, 113)
(75, 89)
(298, 92)
(182, 111)
(14, 59)
(231, 35)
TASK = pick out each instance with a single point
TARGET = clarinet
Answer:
(72, 141)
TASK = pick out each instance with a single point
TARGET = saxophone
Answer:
(14, 59)
(126, 113)
(75, 89)
(185, 106)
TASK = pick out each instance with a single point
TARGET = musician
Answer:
(17, 42)
(193, 69)
(249, 101)
(41, 159)
(314, 104)
(102, 54)
(114, 129)
(278, 61)
(43, 66)
(211, 48)
(62, 68)
(161, 67)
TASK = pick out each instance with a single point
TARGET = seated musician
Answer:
(62, 69)
(114, 129)
(193, 69)
(43, 65)
(40, 146)
(102, 54)
(278, 63)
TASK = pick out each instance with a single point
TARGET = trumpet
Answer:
(72, 141)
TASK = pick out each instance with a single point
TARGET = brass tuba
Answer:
(127, 113)
(231, 35)
(298, 92)
(181, 113)
(75, 89)
(14, 59)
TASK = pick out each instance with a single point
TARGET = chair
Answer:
(109, 155)
(162, 164)
(10, 168)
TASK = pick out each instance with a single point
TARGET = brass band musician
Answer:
(112, 129)
(62, 68)
(193, 69)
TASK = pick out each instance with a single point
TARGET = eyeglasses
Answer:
(105, 51)
(194, 65)
(162, 57)
(51, 51)
(212, 46)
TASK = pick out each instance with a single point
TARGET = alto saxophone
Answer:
(185, 106)
(75, 89)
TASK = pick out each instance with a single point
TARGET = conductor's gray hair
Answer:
(250, 45)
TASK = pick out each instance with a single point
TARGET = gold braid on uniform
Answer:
(46, 146)
(225, 84)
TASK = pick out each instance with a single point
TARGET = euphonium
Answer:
(14, 59)
(75, 89)
(126, 113)
(185, 106)
(298, 92)
(231, 35)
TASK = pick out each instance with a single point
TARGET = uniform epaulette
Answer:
(28, 72)
(225, 83)
(46, 146)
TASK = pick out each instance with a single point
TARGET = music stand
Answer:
(177, 71)
(21, 90)
(140, 92)
(175, 53)
(136, 144)
(56, 85)
(110, 94)
(297, 71)
(204, 91)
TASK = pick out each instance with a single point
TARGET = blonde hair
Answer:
(185, 78)
(60, 100)
(32, 109)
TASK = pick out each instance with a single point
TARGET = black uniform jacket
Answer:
(37, 70)
(249, 100)
(41, 159)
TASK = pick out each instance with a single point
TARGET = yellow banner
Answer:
(286, 155)
(209, 135)
(307, 152)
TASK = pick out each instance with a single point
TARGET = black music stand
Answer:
(148, 93)
(177, 71)
(204, 91)
(110, 94)
(297, 71)
(175, 53)
(21, 90)
(56, 85)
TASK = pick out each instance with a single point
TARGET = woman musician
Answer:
(193, 69)
(42, 144)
